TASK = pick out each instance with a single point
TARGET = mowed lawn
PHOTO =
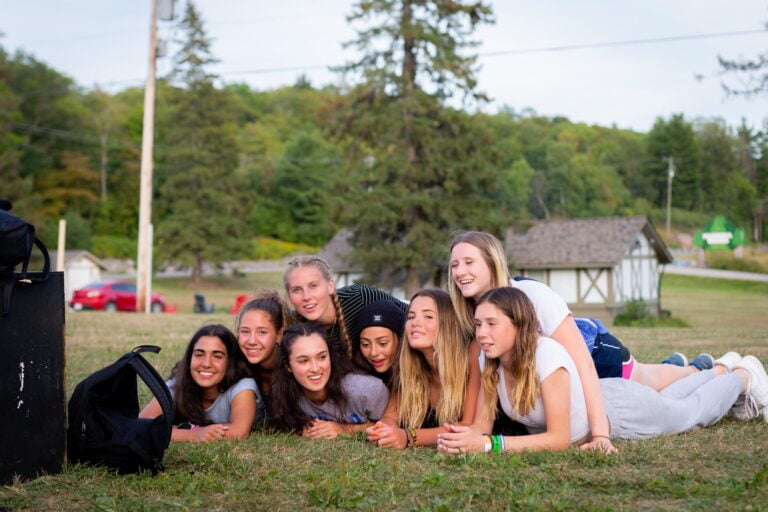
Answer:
(724, 467)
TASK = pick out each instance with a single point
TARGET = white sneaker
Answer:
(728, 360)
(745, 408)
(758, 384)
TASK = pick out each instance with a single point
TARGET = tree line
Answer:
(390, 155)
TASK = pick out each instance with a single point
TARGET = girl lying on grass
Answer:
(316, 393)
(381, 328)
(439, 376)
(314, 295)
(538, 385)
(213, 398)
(259, 326)
(478, 263)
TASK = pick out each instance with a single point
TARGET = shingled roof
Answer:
(581, 242)
(337, 252)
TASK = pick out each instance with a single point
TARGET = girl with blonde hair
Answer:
(478, 263)
(312, 292)
(537, 383)
(438, 376)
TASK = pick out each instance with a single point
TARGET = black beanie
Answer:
(384, 313)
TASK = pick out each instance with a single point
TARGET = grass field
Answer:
(724, 467)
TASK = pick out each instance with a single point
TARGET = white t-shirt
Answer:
(550, 308)
(550, 356)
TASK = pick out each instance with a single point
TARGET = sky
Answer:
(527, 56)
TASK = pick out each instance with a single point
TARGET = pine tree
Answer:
(203, 217)
(417, 168)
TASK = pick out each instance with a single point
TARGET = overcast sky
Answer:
(105, 42)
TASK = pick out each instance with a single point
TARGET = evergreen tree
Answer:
(674, 138)
(417, 169)
(203, 214)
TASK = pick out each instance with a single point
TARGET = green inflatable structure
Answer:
(720, 235)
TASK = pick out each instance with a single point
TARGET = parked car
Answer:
(112, 296)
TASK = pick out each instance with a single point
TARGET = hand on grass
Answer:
(215, 432)
(386, 436)
(600, 444)
(320, 429)
(460, 440)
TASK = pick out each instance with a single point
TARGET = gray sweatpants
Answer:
(639, 412)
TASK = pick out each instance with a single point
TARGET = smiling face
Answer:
(258, 337)
(494, 331)
(378, 345)
(469, 271)
(208, 364)
(310, 364)
(310, 293)
(421, 324)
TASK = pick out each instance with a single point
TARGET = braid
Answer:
(342, 324)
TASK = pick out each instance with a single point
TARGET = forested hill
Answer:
(282, 162)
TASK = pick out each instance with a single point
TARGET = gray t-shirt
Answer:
(220, 410)
(366, 395)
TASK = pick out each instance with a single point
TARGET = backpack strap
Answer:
(157, 386)
(46, 265)
(6, 290)
(155, 383)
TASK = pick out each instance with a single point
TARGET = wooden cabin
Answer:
(596, 265)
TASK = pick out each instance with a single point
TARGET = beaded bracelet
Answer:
(488, 443)
(412, 432)
(408, 439)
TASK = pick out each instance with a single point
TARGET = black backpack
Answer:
(104, 427)
(17, 237)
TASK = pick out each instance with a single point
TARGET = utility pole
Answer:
(670, 175)
(143, 271)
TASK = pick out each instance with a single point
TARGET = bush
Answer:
(109, 246)
(265, 248)
(636, 314)
(726, 261)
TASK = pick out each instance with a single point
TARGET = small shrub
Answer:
(726, 261)
(636, 314)
(265, 248)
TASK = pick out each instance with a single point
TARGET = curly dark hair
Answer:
(187, 394)
(285, 412)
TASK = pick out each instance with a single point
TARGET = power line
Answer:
(521, 51)
(629, 42)
(105, 35)
(525, 51)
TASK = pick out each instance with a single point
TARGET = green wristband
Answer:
(496, 441)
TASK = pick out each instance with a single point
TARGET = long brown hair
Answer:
(322, 266)
(493, 255)
(415, 373)
(516, 306)
(285, 412)
(187, 394)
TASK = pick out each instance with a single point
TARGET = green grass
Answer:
(724, 467)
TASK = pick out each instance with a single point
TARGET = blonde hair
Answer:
(516, 306)
(492, 252)
(322, 266)
(415, 374)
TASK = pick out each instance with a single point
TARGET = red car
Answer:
(112, 296)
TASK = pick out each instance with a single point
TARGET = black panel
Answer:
(32, 397)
